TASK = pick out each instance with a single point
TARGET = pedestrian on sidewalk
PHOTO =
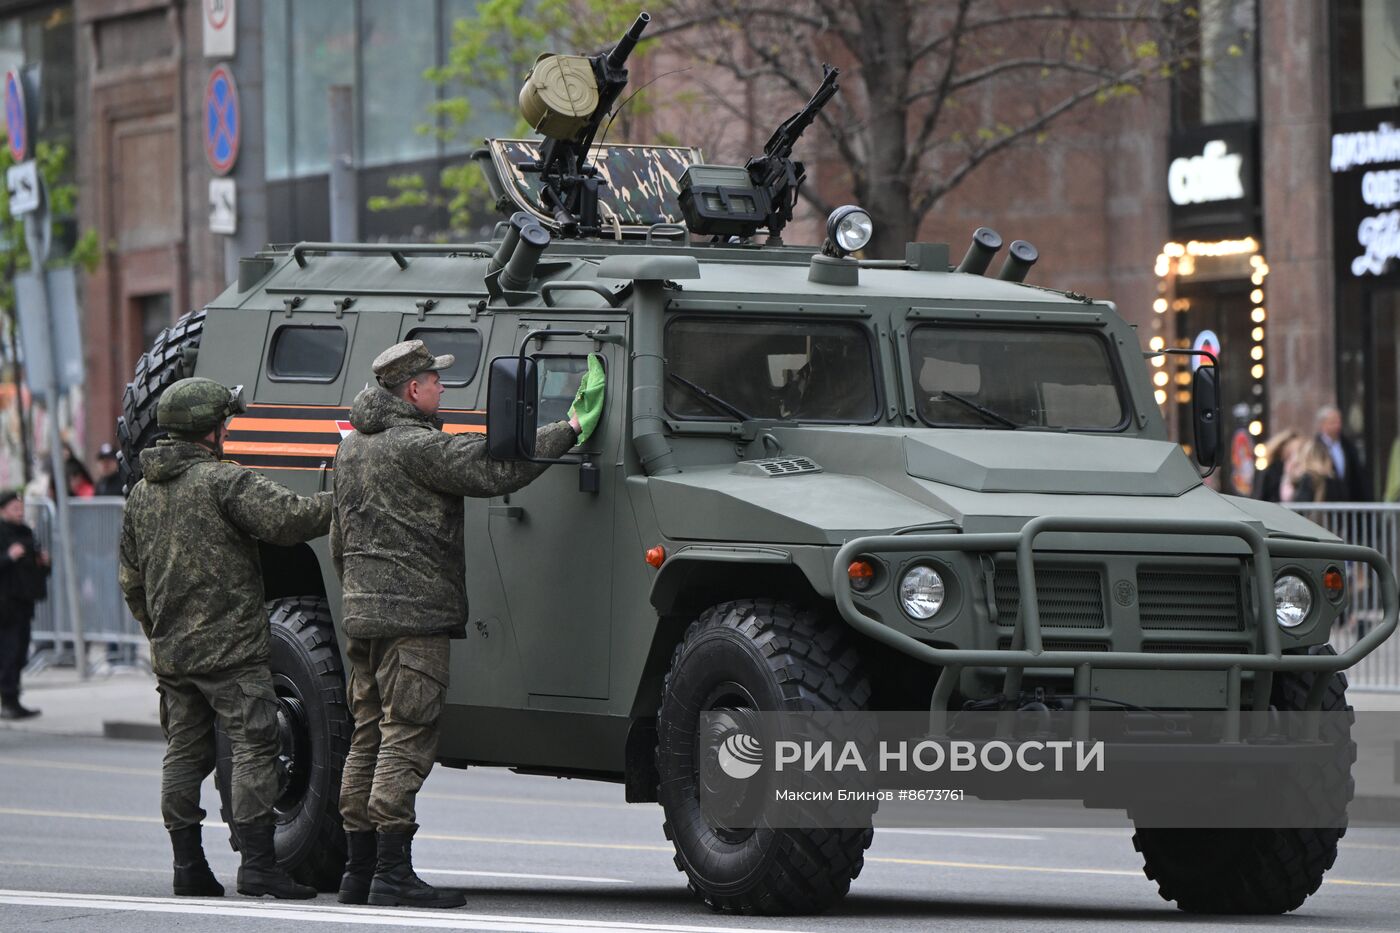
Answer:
(190, 572)
(24, 569)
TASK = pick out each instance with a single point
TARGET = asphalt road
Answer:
(82, 849)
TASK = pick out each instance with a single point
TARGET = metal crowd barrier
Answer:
(1373, 525)
(113, 636)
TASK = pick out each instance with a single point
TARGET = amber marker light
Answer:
(1334, 584)
(656, 556)
(862, 574)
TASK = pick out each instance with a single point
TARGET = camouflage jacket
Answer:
(397, 537)
(189, 555)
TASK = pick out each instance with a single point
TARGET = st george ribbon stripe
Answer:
(306, 436)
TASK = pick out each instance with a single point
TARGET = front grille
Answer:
(1195, 600)
(1069, 597)
(1058, 644)
(1194, 647)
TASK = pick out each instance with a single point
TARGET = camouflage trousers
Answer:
(396, 692)
(245, 705)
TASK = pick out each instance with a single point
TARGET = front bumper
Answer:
(1027, 643)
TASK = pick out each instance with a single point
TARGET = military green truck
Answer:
(821, 482)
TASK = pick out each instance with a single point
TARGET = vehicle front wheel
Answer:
(314, 726)
(1254, 871)
(744, 657)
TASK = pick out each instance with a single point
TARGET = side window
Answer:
(465, 345)
(559, 378)
(303, 353)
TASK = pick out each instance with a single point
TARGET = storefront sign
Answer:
(1366, 193)
(1211, 182)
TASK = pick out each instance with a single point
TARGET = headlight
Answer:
(1292, 600)
(921, 592)
(849, 228)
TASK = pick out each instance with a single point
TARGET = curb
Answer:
(132, 731)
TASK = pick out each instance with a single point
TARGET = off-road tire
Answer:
(306, 668)
(790, 660)
(170, 359)
(1253, 871)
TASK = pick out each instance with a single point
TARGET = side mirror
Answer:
(1205, 415)
(512, 408)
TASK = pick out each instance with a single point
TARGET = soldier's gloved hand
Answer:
(588, 402)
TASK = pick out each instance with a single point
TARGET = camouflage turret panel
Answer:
(643, 182)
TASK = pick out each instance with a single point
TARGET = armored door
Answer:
(553, 540)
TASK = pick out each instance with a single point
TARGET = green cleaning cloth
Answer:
(588, 403)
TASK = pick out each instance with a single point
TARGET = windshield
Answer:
(1014, 377)
(732, 370)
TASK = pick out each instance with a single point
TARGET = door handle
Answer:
(506, 511)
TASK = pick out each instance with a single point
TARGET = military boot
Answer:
(361, 853)
(193, 878)
(395, 884)
(260, 874)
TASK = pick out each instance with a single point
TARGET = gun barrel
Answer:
(618, 56)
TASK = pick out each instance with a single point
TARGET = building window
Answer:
(277, 118)
(1365, 54)
(308, 354)
(382, 48)
(323, 54)
(1223, 86)
(154, 313)
(396, 43)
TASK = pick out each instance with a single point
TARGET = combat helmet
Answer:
(193, 407)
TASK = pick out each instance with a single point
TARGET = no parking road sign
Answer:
(222, 123)
(16, 116)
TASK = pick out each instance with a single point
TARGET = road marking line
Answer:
(93, 868)
(514, 874)
(990, 866)
(72, 815)
(1362, 884)
(366, 916)
(640, 847)
(560, 843)
(78, 766)
(958, 833)
(526, 801)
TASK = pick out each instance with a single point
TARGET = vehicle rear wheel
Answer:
(314, 723)
(170, 358)
(743, 657)
(1253, 871)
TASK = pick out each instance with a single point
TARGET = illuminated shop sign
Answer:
(1211, 182)
(1366, 193)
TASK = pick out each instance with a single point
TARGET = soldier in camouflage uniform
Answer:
(190, 573)
(397, 542)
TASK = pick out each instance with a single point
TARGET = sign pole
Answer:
(36, 237)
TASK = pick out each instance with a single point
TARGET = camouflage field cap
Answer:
(403, 361)
(196, 406)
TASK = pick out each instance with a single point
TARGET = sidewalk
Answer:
(122, 704)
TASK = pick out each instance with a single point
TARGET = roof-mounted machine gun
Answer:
(725, 200)
(566, 98)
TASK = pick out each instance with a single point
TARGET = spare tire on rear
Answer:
(170, 359)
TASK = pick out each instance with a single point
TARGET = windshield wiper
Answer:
(982, 410)
(733, 411)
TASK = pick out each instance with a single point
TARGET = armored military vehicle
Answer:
(821, 482)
